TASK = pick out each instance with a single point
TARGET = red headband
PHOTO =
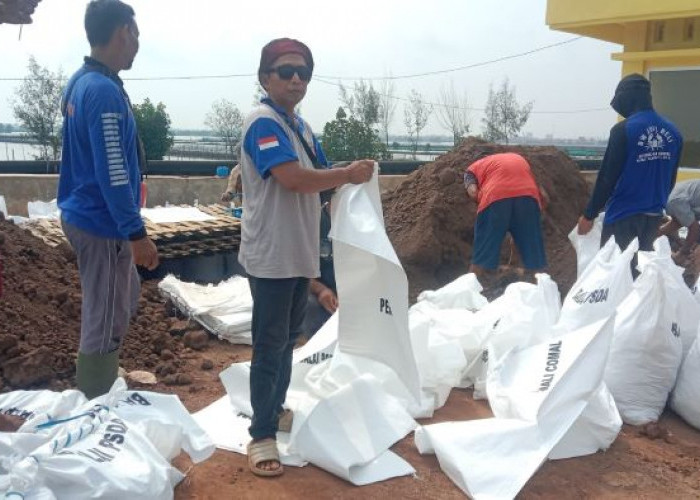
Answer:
(279, 47)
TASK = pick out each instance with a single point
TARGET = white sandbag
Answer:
(595, 429)
(167, 424)
(440, 359)
(3, 206)
(225, 309)
(646, 351)
(114, 461)
(372, 284)
(605, 282)
(462, 293)
(677, 296)
(342, 369)
(361, 421)
(43, 209)
(539, 391)
(522, 316)
(586, 245)
(685, 399)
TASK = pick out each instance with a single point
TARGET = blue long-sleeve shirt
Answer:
(100, 183)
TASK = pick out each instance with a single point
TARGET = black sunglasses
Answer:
(287, 71)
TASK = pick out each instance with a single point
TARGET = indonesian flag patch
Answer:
(268, 142)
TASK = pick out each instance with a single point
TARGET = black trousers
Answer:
(279, 306)
(643, 227)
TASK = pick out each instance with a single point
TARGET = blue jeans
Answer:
(279, 306)
(520, 217)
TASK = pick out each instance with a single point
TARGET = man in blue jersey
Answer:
(638, 170)
(99, 192)
(284, 170)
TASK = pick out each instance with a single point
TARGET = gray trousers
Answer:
(110, 286)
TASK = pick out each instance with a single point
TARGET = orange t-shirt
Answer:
(504, 175)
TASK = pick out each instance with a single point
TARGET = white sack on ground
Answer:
(522, 316)
(348, 433)
(444, 337)
(440, 358)
(586, 245)
(646, 350)
(168, 215)
(462, 293)
(685, 399)
(3, 206)
(167, 424)
(225, 309)
(678, 298)
(43, 209)
(372, 284)
(543, 389)
(595, 429)
(101, 448)
(602, 286)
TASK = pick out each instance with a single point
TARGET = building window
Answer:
(659, 27)
(689, 30)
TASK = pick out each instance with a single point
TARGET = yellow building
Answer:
(660, 39)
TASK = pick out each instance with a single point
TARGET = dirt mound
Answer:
(40, 317)
(430, 221)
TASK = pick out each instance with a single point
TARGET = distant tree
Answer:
(415, 117)
(347, 138)
(387, 107)
(37, 107)
(226, 121)
(153, 123)
(504, 117)
(452, 113)
(363, 102)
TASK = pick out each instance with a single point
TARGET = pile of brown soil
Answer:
(430, 221)
(40, 319)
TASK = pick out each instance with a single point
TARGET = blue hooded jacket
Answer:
(100, 180)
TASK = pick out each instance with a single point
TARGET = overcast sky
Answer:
(368, 39)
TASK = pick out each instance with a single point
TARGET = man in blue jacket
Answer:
(638, 171)
(99, 192)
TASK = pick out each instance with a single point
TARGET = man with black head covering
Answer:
(638, 170)
(284, 170)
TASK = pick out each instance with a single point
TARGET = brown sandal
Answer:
(261, 451)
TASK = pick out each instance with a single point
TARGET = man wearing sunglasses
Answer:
(284, 170)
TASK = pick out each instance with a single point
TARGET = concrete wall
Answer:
(20, 189)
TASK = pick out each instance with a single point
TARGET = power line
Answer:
(459, 68)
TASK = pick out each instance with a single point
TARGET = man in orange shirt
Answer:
(508, 200)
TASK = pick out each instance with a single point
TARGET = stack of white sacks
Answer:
(224, 309)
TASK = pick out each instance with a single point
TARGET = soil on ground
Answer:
(430, 220)
(40, 328)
